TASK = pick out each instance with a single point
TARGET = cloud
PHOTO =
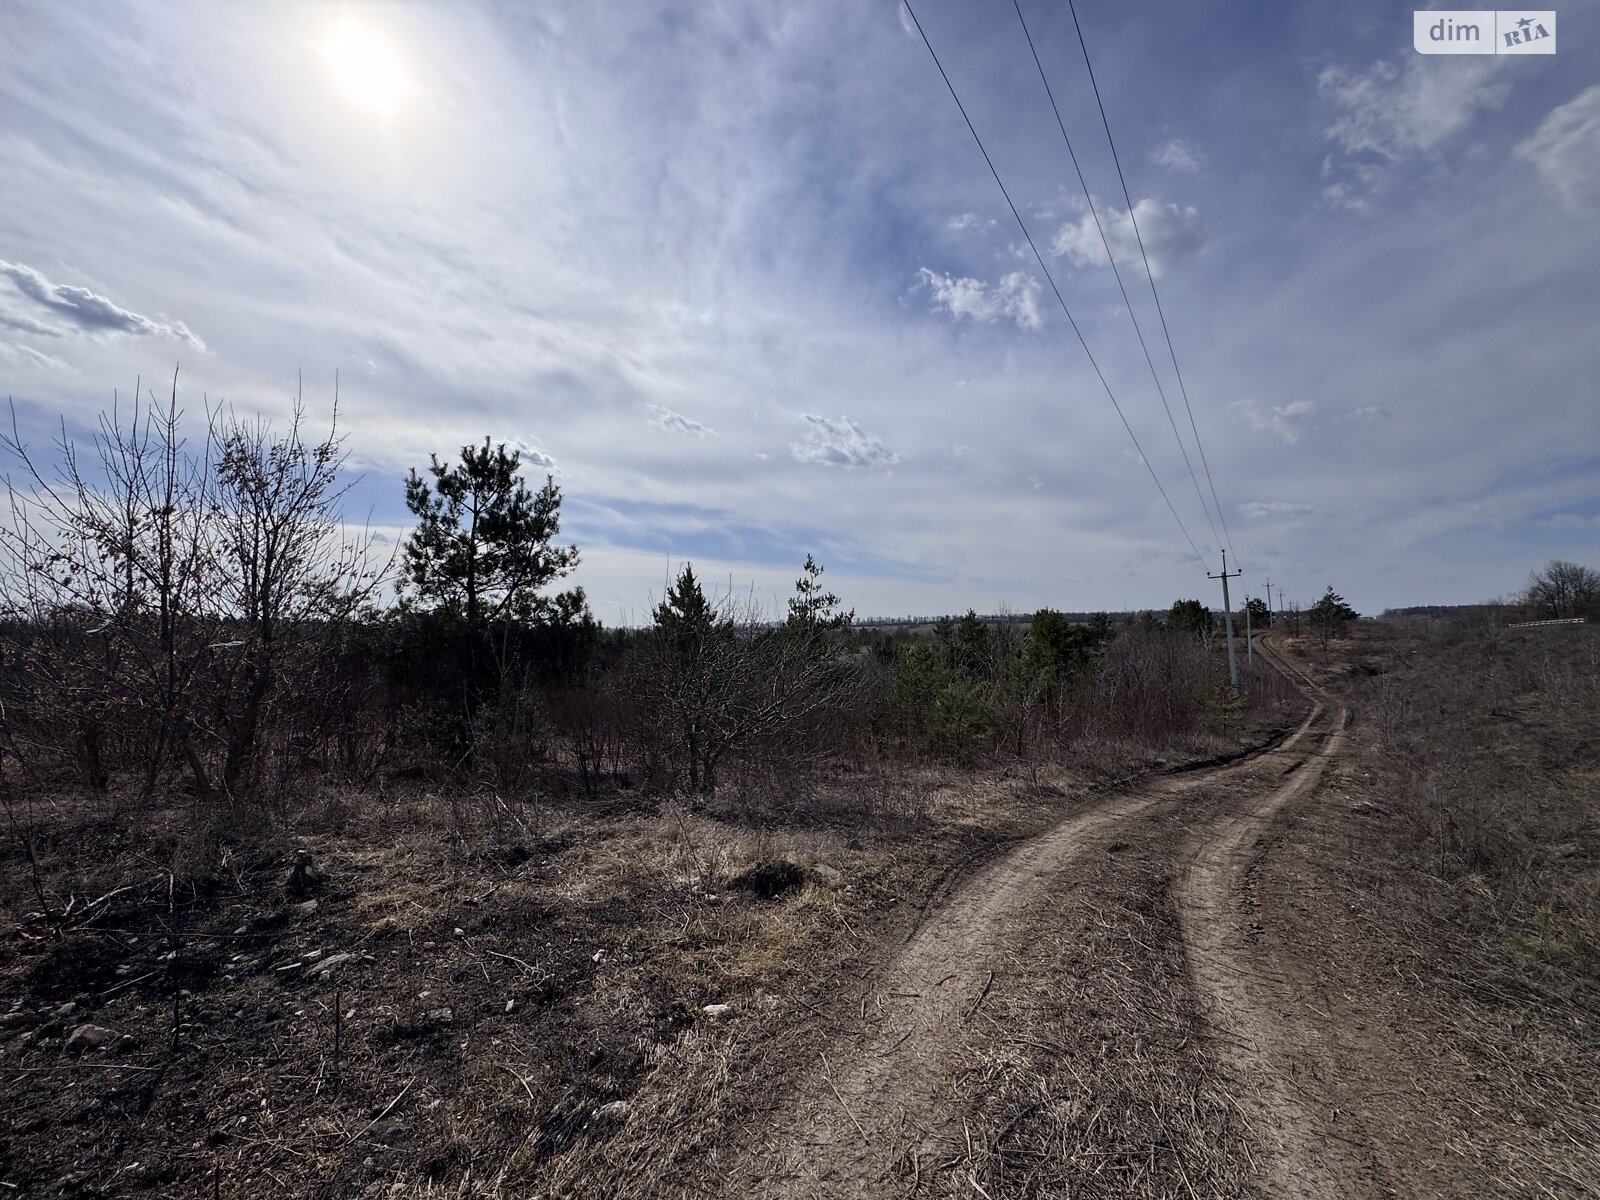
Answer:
(1171, 235)
(841, 443)
(970, 221)
(1287, 421)
(1389, 115)
(1367, 412)
(532, 456)
(1015, 297)
(1179, 155)
(1396, 112)
(1277, 510)
(1568, 521)
(13, 352)
(673, 422)
(26, 324)
(82, 309)
(1565, 152)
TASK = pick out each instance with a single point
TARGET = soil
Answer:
(1179, 984)
(1331, 1098)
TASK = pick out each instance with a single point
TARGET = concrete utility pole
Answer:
(1269, 601)
(1227, 609)
(1249, 644)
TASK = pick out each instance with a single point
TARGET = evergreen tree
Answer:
(482, 549)
(686, 618)
(1189, 616)
(811, 608)
(1329, 615)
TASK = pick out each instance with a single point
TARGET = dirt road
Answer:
(879, 1104)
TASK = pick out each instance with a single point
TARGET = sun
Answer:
(366, 68)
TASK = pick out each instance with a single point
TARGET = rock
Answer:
(716, 1011)
(16, 1019)
(826, 873)
(511, 1006)
(441, 1016)
(614, 1111)
(599, 956)
(305, 908)
(90, 1037)
(329, 967)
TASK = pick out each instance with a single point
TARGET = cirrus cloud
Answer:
(1565, 152)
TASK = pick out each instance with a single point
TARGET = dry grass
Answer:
(1122, 1100)
(606, 926)
(1454, 883)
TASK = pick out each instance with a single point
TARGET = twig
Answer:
(981, 996)
(523, 1080)
(354, 1137)
(827, 1073)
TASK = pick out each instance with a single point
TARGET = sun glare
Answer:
(366, 68)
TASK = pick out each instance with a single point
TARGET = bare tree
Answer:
(113, 565)
(162, 587)
(289, 574)
(1562, 589)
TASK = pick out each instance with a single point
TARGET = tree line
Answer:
(193, 616)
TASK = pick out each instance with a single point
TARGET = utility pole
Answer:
(1249, 643)
(1269, 601)
(1227, 609)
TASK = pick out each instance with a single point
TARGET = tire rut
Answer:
(1308, 1157)
(878, 1098)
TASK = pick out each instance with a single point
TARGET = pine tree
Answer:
(1329, 615)
(811, 608)
(686, 617)
(482, 548)
(1189, 616)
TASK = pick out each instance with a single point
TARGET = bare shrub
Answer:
(1152, 687)
(590, 721)
(167, 600)
(724, 685)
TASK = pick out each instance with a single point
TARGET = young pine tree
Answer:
(482, 549)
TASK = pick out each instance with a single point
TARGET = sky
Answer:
(737, 275)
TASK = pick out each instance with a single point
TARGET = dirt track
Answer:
(879, 1101)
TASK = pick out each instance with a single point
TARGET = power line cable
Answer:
(1115, 270)
(1021, 224)
(1150, 275)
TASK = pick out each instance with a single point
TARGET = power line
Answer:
(1150, 275)
(1021, 224)
(1115, 270)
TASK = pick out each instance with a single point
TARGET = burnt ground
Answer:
(1358, 962)
(473, 994)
